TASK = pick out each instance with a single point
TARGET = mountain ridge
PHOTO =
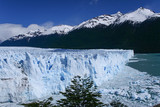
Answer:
(142, 36)
(137, 16)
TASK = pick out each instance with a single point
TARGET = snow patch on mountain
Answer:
(139, 15)
(100, 20)
(61, 29)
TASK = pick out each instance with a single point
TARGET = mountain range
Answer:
(137, 30)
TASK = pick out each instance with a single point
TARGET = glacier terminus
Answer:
(28, 74)
(31, 73)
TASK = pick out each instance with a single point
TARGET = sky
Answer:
(71, 12)
(20, 16)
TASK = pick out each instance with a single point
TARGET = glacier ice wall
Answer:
(31, 73)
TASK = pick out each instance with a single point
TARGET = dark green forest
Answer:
(142, 38)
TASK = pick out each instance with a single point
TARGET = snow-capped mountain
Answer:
(100, 20)
(61, 29)
(137, 16)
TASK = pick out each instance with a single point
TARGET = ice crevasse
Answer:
(31, 73)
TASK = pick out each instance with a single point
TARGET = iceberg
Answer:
(32, 73)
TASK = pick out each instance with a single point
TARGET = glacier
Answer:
(32, 73)
(133, 88)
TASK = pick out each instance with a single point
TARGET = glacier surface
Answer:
(32, 73)
(133, 88)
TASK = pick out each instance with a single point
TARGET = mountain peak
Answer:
(139, 15)
(61, 29)
(118, 14)
(100, 20)
(143, 10)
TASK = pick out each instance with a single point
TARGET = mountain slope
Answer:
(61, 29)
(139, 31)
(137, 16)
(100, 20)
(140, 15)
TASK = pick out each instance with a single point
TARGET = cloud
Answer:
(48, 24)
(8, 30)
(93, 2)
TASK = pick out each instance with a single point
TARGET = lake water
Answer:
(149, 63)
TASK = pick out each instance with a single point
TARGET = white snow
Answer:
(61, 29)
(103, 20)
(33, 32)
(32, 73)
(139, 15)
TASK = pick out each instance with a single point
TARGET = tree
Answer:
(81, 93)
(44, 103)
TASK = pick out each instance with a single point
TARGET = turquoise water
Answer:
(149, 63)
